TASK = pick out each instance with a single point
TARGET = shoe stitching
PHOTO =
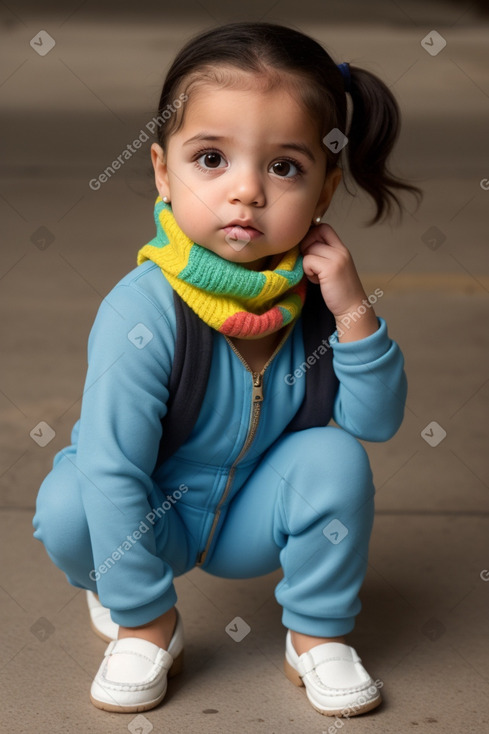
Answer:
(152, 675)
(335, 691)
(335, 660)
(126, 687)
(139, 655)
(148, 681)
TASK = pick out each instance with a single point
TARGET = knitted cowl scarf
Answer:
(227, 296)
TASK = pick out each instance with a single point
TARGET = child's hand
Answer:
(327, 261)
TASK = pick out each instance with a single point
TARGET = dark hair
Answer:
(277, 55)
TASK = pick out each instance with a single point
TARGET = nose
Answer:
(247, 187)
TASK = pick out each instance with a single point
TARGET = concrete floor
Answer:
(424, 628)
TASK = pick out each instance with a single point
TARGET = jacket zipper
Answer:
(256, 401)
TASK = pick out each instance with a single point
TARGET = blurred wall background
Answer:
(69, 112)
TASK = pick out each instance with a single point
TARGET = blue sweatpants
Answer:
(306, 506)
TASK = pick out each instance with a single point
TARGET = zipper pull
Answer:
(257, 387)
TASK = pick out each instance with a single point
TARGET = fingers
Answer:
(318, 248)
(323, 234)
(312, 266)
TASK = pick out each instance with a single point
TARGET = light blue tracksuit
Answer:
(302, 501)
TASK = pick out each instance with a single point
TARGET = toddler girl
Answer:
(216, 365)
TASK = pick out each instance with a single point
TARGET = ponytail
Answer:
(374, 129)
(265, 49)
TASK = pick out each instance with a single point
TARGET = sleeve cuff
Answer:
(362, 351)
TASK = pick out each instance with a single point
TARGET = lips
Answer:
(241, 231)
(244, 223)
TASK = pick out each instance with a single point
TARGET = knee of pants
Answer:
(326, 472)
(60, 521)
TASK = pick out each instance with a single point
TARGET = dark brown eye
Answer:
(286, 168)
(281, 168)
(211, 160)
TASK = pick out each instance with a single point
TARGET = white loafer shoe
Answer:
(133, 674)
(100, 619)
(336, 682)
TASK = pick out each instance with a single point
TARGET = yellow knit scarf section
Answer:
(227, 296)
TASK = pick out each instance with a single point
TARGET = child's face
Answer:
(238, 158)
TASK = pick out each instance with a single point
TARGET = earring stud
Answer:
(317, 220)
(165, 199)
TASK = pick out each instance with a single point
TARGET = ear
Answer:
(158, 159)
(329, 187)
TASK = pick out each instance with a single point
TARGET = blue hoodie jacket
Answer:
(115, 442)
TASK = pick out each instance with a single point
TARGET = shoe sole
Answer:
(295, 678)
(175, 669)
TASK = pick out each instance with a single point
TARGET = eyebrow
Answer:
(300, 147)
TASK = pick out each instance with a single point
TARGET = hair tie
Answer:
(345, 73)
